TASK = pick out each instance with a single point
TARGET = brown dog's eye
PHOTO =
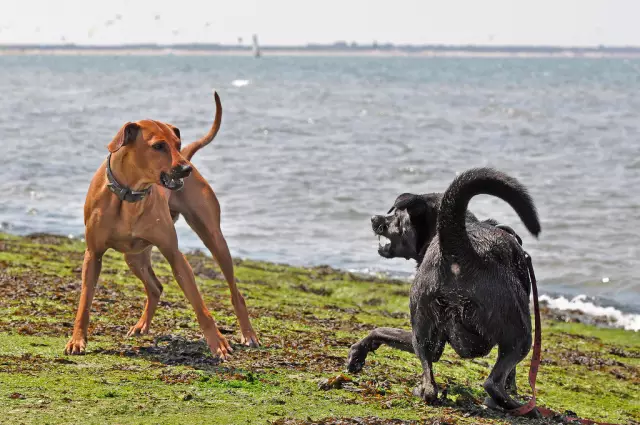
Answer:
(159, 146)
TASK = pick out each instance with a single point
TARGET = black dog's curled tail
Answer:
(452, 232)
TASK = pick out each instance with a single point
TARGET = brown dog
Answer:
(132, 203)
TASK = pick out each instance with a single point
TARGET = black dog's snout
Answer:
(377, 222)
(182, 170)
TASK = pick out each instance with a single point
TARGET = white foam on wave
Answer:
(240, 83)
(615, 317)
(628, 321)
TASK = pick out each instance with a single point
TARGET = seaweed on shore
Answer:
(306, 318)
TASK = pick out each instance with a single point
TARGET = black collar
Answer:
(122, 192)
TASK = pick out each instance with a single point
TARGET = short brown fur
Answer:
(134, 228)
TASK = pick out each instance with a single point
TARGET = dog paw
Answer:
(356, 359)
(490, 403)
(535, 414)
(219, 346)
(75, 346)
(250, 339)
(138, 329)
(427, 393)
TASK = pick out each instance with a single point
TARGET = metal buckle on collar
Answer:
(122, 192)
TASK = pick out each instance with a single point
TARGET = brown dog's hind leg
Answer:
(396, 338)
(90, 273)
(140, 265)
(215, 242)
(200, 208)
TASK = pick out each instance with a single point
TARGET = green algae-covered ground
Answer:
(306, 319)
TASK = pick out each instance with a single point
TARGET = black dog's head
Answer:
(409, 226)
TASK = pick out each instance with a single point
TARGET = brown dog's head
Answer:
(155, 150)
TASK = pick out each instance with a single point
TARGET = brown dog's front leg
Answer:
(184, 275)
(90, 272)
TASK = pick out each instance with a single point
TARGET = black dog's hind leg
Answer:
(396, 338)
(510, 386)
(495, 385)
(511, 382)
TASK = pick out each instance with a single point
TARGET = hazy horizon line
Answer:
(337, 45)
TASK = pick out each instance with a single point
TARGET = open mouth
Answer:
(171, 183)
(384, 246)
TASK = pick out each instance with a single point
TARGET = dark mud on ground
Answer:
(45, 305)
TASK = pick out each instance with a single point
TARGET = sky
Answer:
(296, 22)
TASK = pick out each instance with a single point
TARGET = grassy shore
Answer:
(306, 318)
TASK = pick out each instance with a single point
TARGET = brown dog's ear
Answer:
(126, 134)
(176, 130)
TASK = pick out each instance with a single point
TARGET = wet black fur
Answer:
(472, 286)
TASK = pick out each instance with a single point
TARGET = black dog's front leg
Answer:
(396, 338)
(428, 346)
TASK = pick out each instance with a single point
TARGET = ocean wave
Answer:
(617, 318)
(581, 303)
(240, 83)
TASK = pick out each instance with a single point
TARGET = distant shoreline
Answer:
(339, 49)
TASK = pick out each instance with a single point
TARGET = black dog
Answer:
(472, 284)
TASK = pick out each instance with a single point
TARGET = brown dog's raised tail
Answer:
(190, 150)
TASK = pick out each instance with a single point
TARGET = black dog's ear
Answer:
(414, 204)
(126, 134)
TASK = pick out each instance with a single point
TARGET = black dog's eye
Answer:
(159, 146)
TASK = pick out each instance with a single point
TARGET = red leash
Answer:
(537, 347)
(535, 361)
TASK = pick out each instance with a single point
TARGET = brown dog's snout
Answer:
(182, 170)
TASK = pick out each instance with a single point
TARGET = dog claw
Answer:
(220, 347)
(223, 354)
(535, 414)
(75, 347)
(138, 330)
(428, 393)
(491, 404)
(250, 339)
